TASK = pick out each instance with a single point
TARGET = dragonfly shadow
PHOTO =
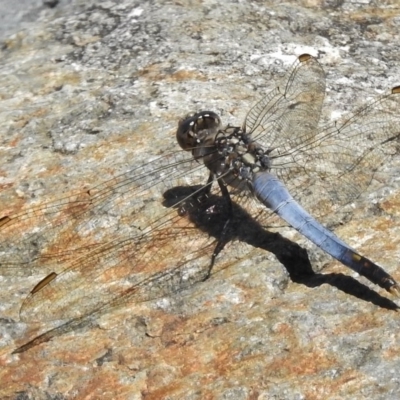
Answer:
(210, 213)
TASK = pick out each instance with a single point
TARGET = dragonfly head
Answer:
(194, 129)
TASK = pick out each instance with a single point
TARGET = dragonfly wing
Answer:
(169, 254)
(51, 234)
(289, 115)
(339, 165)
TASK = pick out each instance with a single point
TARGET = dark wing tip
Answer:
(305, 57)
(396, 90)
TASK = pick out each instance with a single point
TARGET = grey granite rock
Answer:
(89, 89)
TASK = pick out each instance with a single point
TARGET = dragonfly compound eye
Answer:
(194, 128)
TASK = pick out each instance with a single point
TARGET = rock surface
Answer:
(90, 89)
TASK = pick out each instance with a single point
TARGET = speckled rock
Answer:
(91, 89)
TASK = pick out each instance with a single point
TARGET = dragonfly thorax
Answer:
(239, 154)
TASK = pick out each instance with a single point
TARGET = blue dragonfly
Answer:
(160, 227)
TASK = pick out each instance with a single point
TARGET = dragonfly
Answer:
(159, 228)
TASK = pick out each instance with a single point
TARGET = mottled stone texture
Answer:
(91, 88)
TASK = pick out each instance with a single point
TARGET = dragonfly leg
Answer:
(206, 190)
(224, 236)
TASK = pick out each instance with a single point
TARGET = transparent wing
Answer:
(42, 238)
(124, 240)
(325, 167)
(339, 164)
(288, 116)
(136, 268)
